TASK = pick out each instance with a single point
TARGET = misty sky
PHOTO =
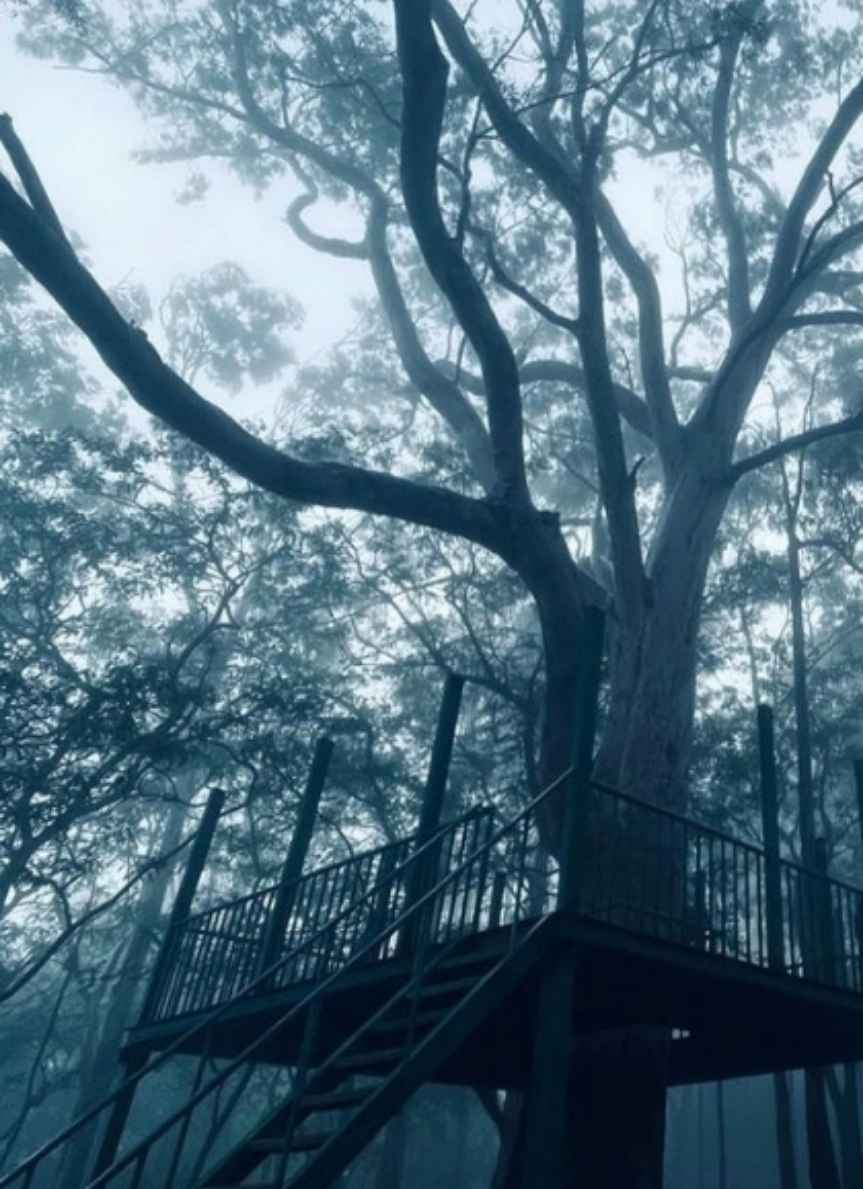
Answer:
(80, 131)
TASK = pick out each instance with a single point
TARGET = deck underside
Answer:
(736, 1019)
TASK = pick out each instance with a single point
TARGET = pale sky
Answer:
(80, 132)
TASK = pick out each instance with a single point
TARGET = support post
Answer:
(543, 1154)
(423, 873)
(826, 960)
(292, 868)
(180, 909)
(575, 809)
(858, 786)
(770, 830)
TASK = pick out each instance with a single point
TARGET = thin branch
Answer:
(852, 424)
(75, 926)
(786, 249)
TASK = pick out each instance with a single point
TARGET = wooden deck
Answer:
(730, 1018)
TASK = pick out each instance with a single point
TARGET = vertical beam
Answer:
(858, 786)
(183, 901)
(584, 739)
(119, 1115)
(435, 786)
(292, 868)
(543, 1153)
(826, 957)
(422, 875)
(770, 830)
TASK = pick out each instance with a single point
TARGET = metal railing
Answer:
(644, 869)
(469, 897)
(655, 872)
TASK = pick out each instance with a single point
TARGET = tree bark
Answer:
(617, 1106)
(784, 1132)
(99, 1072)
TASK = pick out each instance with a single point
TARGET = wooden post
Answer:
(770, 831)
(543, 1153)
(826, 958)
(858, 785)
(575, 809)
(179, 913)
(292, 868)
(422, 875)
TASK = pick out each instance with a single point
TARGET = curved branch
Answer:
(444, 397)
(424, 78)
(127, 352)
(442, 392)
(521, 291)
(331, 245)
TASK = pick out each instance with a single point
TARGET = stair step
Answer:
(430, 990)
(422, 1020)
(336, 1100)
(371, 1057)
(299, 1143)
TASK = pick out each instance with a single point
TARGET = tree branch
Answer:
(853, 424)
(576, 191)
(739, 308)
(330, 245)
(787, 245)
(630, 405)
(158, 389)
(73, 927)
(441, 391)
(29, 177)
(651, 345)
(424, 78)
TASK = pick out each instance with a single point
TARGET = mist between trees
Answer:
(610, 357)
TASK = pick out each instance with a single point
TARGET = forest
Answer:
(562, 311)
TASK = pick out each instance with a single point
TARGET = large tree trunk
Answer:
(617, 1106)
(618, 1091)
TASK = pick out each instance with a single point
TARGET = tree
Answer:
(503, 141)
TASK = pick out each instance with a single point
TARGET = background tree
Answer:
(500, 186)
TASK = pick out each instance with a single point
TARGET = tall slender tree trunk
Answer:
(101, 1069)
(784, 1131)
(721, 1137)
(823, 1167)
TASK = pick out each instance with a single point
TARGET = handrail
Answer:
(261, 978)
(319, 988)
(334, 865)
(677, 817)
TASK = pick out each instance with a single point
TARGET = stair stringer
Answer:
(385, 1100)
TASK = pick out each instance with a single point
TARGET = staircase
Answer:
(406, 1041)
(439, 903)
(408, 964)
